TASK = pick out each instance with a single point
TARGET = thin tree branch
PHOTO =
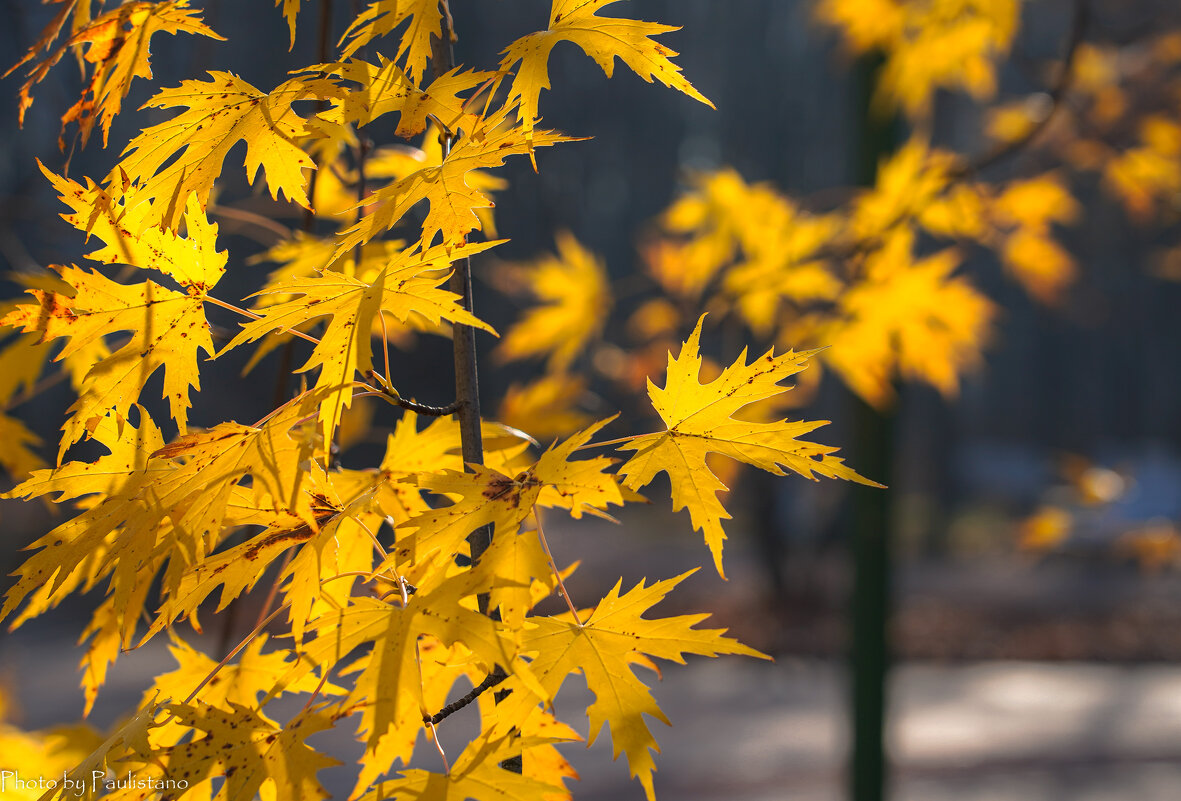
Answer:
(467, 386)
(387, 391)
(491, 680)
(253, 316)
(259, 221)
(1066, 76)
(46, 382)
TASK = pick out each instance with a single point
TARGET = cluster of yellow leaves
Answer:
(1121, 121)
(865, 281)
(928, 44)
(388, 605)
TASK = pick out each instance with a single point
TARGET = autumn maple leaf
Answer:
(217, 114)
(453, 200)
(700, 420)
(601, 38)
(604, 648)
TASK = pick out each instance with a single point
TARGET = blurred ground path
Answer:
(747, 731)
(994, 731)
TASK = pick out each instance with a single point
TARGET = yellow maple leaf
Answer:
(400, 162)
(17, 442)
(249, 750)
(478, 774)
(237, 684)
(384, 88)
(21, 362)
(453, 200)
(605, 647)
(575, 294)
(346, 544)
(383, 16)
(440, 668)
(511, 566)
(1028, 209)
(183, 155)
(130, 450)
(407, 285)
(411, 453)
(928, 44)
(176, 506)
(168, 328)
(131, 736)
(389, 684)
(540, 734)
(601, 38)
(36, 754)
(911, 316)
(1149, 173)
(488, 496)
(866, 23)
(699, 420)
(118, 48)
(291, 14)
(908, 182)
(118, 221)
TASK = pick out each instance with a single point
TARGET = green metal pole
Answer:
(869, 654)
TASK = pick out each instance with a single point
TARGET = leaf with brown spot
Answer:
(117, 51)
(168, 331)
(118, 221)
(260, 752)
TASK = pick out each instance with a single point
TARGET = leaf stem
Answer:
(253, 316)
(266, 223)
(554, 567)
(385, 344)
(47, 382)
(612, 441)
(245, 641)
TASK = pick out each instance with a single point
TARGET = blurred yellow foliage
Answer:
(576, 297)
(928, 44)
(1155, 547)
(1045, 529)
(547, 407)
(1143, 175)
(910, 315)
(1026, 209)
